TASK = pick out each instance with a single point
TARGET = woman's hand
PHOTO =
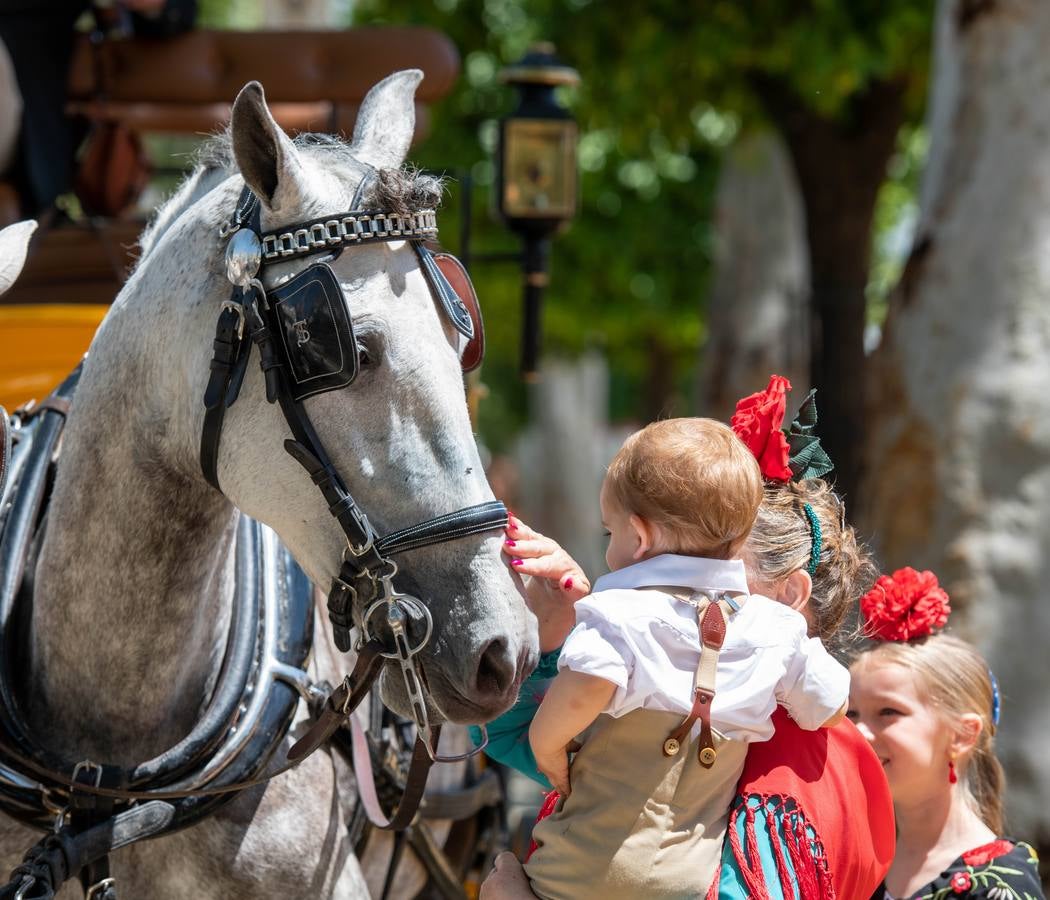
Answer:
(506, 881)
(555, 581)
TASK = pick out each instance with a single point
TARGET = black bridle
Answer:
(363, 587)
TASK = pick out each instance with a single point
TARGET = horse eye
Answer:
(367, 352)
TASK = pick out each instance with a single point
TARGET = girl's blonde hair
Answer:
(781, 542)
(955, 679)
(692, 478)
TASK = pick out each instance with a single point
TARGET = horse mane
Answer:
(393, 190)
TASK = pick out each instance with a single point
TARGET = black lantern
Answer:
(536, 175)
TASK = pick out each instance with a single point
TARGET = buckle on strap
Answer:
(238, 310)
(102, 890)
(86, 765)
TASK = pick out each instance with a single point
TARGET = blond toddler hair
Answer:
(694, 479)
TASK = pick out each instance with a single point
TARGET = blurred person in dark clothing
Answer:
(39, 37)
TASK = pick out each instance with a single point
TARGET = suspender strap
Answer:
(711, 620)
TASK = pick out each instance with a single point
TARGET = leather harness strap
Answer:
(5, 447)
(415, 781)
(712, 617)
(61, 405)
(339, 709)
(89, 792)
(341, 702)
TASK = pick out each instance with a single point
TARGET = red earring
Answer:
(952, 777)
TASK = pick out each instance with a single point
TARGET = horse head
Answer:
(399, 435)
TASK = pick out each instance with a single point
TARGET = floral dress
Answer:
(1001, 870)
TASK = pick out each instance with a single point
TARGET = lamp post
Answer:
(536, 176)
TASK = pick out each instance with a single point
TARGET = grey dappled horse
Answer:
(134, 580)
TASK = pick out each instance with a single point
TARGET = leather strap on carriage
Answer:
(711, 620)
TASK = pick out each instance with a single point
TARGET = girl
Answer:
(929, 705)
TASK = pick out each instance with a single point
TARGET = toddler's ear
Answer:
(644, 537)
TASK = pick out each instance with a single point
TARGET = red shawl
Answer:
(839, 791)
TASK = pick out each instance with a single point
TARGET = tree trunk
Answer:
(960, 472)
(757, 318)
(840, 163)
(563, 453)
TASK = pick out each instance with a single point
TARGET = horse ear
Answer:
(265, 155)
(387, 121)
(14, 242)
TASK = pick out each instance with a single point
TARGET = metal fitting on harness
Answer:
(106, 889)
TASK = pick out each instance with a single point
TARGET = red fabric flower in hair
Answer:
(904, 606)
(757, 422)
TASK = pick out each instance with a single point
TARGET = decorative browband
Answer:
(352, 228)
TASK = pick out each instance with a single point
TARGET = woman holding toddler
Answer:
(676, 666)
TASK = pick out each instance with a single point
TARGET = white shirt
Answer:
(647, 643)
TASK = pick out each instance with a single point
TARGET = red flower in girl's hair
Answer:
(757, 422)
(904, 606)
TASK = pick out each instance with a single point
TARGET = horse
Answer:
(134, 578)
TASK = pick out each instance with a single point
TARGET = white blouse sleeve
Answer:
(597, 646)
(814, 685)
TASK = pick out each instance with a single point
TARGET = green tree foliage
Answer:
(664, 86)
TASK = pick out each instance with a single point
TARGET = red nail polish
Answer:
(509, 543)
(517, 562)
(568, 584)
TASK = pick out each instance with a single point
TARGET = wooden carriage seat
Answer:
(314, 81)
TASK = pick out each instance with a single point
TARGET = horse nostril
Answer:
(496, 668)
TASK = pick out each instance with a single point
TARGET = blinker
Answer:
(243, 257)
(453, 305)
(315, 335)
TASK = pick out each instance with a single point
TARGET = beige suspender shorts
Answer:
(640, 823)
